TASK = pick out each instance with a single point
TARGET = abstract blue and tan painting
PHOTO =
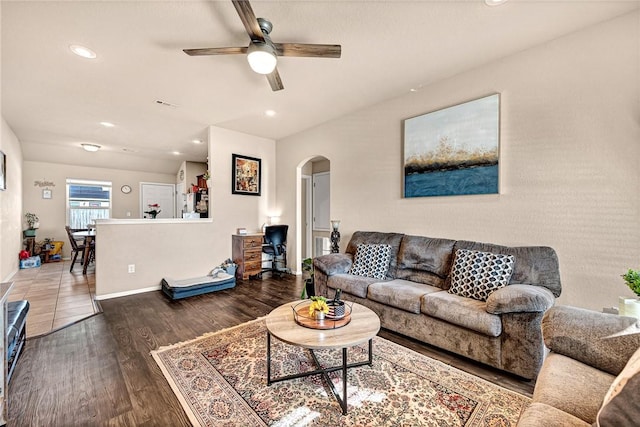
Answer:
(453, 151)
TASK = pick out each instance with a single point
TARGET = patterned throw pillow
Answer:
(477, 274)
(621, 406)
(371, 261)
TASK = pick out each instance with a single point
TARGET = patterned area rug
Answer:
(220, 380)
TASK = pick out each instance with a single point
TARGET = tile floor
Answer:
(57, 298)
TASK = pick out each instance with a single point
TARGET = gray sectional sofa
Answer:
(412, 299)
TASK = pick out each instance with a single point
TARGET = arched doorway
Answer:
(313, 208)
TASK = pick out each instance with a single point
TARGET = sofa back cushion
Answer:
(425, 260)
(373, 237)
(534, 265)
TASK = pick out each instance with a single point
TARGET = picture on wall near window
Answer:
(453, 151)
(246, 175)
(3, 171)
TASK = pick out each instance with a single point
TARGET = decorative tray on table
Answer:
(339, 315)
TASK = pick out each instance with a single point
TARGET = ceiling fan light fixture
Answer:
(91, 147)
(262, 58)
(82, 51)
(494, 2)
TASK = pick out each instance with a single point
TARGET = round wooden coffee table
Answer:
(364, 325)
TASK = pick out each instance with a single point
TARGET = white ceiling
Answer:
(54, 100)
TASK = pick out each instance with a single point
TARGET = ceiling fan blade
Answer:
(275, 81)
(215, 51)
(308, 50)
(249, 20)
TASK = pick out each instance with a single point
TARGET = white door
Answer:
(162, 195)
(321, 209)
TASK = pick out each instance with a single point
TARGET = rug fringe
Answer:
(206, 335)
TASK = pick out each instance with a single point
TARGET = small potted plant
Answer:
(154, 210)
(318, 307)
(632, 279)
(33, 223)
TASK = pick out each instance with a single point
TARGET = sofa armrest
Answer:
(584, 335)
(333, 263)
(520, 299)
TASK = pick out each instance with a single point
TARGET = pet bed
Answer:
(216, 281)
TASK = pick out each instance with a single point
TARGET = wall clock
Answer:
(125, 189)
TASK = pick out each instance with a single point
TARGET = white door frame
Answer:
(308, 183)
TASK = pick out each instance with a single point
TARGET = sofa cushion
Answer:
(401, 294)
(354, 285)
(425, 260)
(584, 335)
(477, 274)
(535, 265)
(520, 299)
(374, 237)
(621, 406)
(461, 311)
(541, 414)
(333, 263)
(371, 261)
(571, 386)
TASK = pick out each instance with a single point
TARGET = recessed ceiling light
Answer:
(91, 147)
(85, 52)
(196, 141)
(107, 124)
(270, 113)
(494, 2)
(176, 153)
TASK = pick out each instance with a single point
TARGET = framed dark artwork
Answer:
(246, 175)
(453, 151)
(3, 171)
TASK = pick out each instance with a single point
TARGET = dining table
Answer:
(89, 237)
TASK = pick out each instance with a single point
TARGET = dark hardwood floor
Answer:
(100, 372)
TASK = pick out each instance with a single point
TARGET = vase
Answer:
(632, 307)
(318, 315)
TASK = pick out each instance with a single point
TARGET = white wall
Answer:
(570, 145)
(10, 204)
(52, 212)
(181, 249)
(232, 210)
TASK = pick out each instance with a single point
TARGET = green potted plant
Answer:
(307, 273)
(33, 223)
(632, 279)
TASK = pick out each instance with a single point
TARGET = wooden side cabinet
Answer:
(247, 254)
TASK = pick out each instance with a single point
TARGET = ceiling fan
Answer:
(262, 53)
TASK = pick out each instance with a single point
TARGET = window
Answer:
(87, 201)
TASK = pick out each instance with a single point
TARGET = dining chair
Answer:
(77, 248)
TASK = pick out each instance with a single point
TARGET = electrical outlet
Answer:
(132, 268)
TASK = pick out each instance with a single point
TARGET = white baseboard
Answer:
(127, 293)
